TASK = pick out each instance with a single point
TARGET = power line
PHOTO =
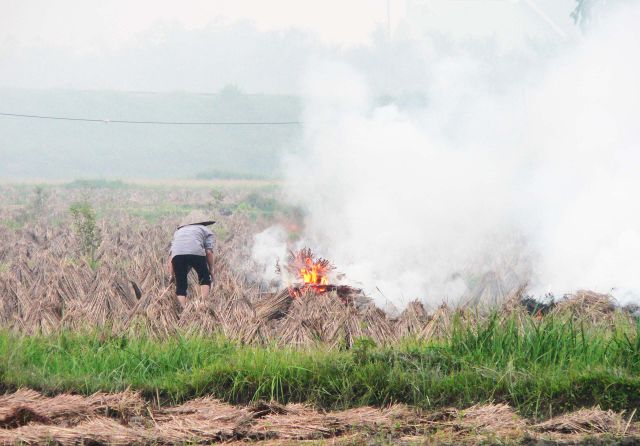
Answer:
(123, 121)
(544, 16)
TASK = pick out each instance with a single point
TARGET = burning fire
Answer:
(311, 271)
(310, 274)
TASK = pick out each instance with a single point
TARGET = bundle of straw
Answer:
(199, 317)
(96, 431)
(273, 306)
(588, 306)
(67, 409)
(412, 320)
(500, 419)
(587, 421)
(377, 326)
(299, 422)
(440, 324)
(376, 418)
(200, 420)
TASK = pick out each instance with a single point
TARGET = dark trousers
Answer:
(182, 264)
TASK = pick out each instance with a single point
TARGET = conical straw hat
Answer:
(196, 217)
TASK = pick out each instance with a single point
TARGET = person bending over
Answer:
(192, 247)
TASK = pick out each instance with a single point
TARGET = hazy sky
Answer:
(85, 24)
(90, 44)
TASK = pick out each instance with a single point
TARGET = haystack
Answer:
(350, 326)
(238, 320)
(512, 310)
(325, 317)
(489, 292)
(314, 318)
(104, 305)
(199, 317)
(9, 305)
(273, 306)
(69, 284)
(162, 315)
(412, 320)
(303, 326)
(40, 315)
(590, 307)
(440, 324)
(377, 326)
(153, 314)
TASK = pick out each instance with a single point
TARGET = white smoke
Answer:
(534, 179)
(269, 249)
(586, 158)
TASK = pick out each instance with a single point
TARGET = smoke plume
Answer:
(511, 173)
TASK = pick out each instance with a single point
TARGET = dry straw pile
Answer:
(46, 286)
(123, 419)
(45, 289)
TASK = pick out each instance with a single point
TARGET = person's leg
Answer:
(181, 268)
(204, 277)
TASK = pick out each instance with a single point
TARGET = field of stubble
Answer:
(81, 315)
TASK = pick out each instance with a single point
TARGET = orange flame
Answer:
(313, 272)
(313, 275)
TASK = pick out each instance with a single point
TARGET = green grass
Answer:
(12, 224)
(550, 367)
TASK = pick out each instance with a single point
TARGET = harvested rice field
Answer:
(94, 348)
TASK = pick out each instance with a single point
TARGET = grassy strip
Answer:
(547, 367)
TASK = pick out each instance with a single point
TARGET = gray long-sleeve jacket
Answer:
(192, 239)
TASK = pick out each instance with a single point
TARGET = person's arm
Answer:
(172, 273)
(209, 243)
(210, 261)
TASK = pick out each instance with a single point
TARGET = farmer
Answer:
(192, 247)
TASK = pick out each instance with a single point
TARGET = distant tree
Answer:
(39, 201)
(217, 198)
(36, 207)
(230, 92)
(87, 231)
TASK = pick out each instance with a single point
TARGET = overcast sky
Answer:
(201, 45)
